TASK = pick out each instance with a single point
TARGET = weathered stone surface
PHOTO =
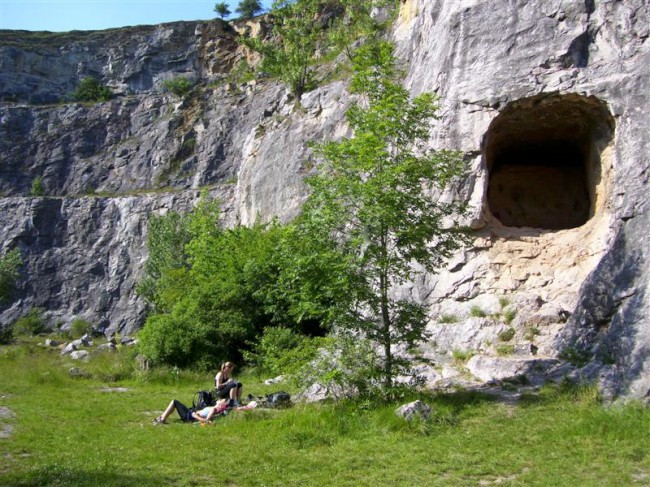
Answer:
(521, 84)
(107, 347)
(80, 355)
(68, 349)
(413, 410)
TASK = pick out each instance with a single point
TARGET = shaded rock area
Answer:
(548, 100)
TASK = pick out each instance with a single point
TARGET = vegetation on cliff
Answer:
(306, 33)
(369, 219)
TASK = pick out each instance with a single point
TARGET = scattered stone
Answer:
(52, 343)
(415, 409)
(107, 347)
(68, 349)
(5, 428)
(80, 355)
(275, 380)
(114, 389)
(77, 373)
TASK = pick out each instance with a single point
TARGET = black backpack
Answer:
(203, 399)
(278, 399)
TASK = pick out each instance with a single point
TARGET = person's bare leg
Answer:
(170, 409)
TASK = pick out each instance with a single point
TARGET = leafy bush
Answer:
(346, 366)
(6, 334)
(504, 350)
(462, 355)
(507, 335)
(179, 86)
(80, 327)
(31, 323)
(38, 188)
(90, 89)
(176, 340)
(282, 351)
(509, 315)
(447, 319)
(477, 312)
(9, 273)
(531, 332)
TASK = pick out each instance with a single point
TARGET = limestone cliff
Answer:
(548, 98)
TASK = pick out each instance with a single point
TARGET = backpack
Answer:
(203, 399)
(277, 400)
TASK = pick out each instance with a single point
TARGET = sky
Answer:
(65, 15)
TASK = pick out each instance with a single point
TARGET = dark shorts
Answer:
(225, 392)
(183, 411)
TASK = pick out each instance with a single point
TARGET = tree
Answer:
(306, 30)
(373, 199)
(249, 8)
(167, 263)
(222, 10)
(9, 273)
(90, 89)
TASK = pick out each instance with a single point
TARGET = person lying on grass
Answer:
(188, 416)
(204, 415)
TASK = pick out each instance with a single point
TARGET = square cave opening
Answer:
(544, 161)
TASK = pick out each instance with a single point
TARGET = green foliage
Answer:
(179, 340)
(6, 334)
(222, 10)
(504, 349)
(305, 32)
(90, 89)
(462, 356)
(10, 265)
(249, 8)
(32, 323)
(577, 357)
(179, 86)
(347, 366)
(447, 319)
(507, 335)
(371, 200)
(509, 315)
(531, 332)
(477, 312)
(166, 267)
(80, 327)
(282, 351)
(37, 188)
(230, 285)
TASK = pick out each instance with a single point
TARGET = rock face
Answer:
(551, 98)
(547, 98)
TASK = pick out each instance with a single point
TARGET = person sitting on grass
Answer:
(226, 387)
(188, 416)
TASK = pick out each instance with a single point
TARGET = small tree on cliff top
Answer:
(371, 199)
(249, 8)
(222, 10)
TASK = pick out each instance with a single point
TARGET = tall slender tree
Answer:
(373, 198)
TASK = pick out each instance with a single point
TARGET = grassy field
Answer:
(59, 430)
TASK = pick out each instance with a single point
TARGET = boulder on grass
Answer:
(80, 355)
(415, 409)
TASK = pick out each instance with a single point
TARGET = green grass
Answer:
(69, 432)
